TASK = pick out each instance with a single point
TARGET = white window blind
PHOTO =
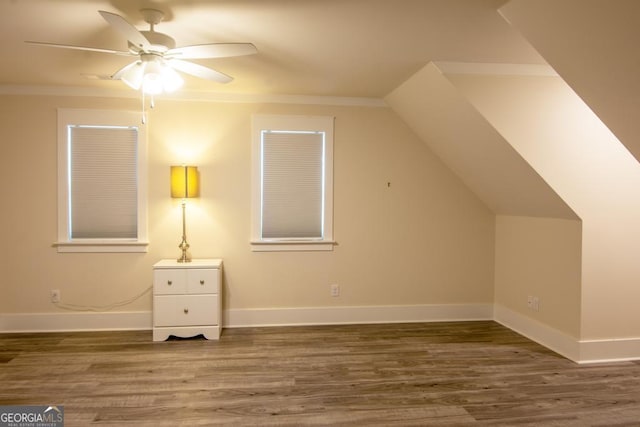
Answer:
(292, 184)
(103, 184)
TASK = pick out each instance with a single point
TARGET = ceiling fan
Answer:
(158, 57)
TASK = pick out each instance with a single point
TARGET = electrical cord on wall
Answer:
(100, 308)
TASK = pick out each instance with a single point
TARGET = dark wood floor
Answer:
(433, 374)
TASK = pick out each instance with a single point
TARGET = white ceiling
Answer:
(352, 48)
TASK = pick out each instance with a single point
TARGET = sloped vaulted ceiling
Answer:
(472, 148)
(595, 46)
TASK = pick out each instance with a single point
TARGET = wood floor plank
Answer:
(440, 374)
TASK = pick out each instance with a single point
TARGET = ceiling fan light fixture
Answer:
(158, 77)
(152, 84)
(151, 75)
(171, 80)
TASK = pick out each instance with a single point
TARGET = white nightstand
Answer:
(187, 298)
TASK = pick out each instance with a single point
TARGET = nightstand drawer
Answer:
(168, 281)
(185, 310)
(203, 281)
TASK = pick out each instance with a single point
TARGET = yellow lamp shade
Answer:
(184, 182)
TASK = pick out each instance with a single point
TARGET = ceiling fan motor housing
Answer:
(159, 42)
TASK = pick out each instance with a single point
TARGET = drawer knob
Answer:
(186, 311)
(169, 282)
(202, 282)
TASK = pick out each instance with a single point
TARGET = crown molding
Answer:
(242, 98)
(483, 68)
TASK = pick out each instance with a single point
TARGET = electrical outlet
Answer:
(55, 295)
(335, 290)
(530, 302)
(536, 304)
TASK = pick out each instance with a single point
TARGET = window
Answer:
(101, 182)
(292, 183)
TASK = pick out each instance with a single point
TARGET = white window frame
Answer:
(265, 122)
(70, 117)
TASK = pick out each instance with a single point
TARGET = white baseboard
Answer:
(357, 314)
(547, 336)
(609, 350)
(584, 351)
(579, 351)
(90, 321)
(75, 322)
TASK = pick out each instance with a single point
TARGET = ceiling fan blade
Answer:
(130, 32)
(96, 76)
(199, 71)
(118, 74)
(90, 49)
(212, 50)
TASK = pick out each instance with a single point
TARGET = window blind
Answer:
(292, 184)
(103, 182)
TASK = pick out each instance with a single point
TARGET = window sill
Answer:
(105, 246)
(292, 245)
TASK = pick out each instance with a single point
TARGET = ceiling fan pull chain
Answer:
(144, 116)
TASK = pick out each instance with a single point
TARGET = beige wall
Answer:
(425, 239)
(565, 142)
(540, 257)
(538, 236)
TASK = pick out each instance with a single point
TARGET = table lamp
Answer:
(184, 185)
